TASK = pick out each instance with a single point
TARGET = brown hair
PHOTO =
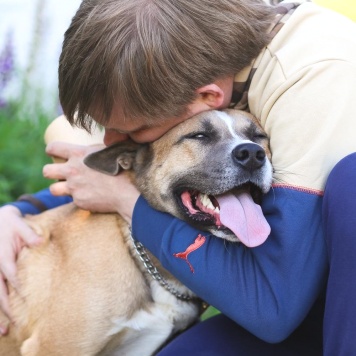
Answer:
(152, 55)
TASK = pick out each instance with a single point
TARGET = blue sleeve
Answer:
(267, 289)
(40, 201)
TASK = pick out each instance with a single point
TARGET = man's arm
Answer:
(269, 289)
(39, 202)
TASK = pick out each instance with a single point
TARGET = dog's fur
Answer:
(83, 291)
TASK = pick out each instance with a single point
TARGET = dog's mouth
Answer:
(236, 210)
(205, 208)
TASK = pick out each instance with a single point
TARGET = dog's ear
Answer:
(113, 159)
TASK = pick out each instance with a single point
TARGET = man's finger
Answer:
(9, 272)
(55, 171)
(28, 236)
(3, 330)
(4, 302)
(59, 188)
(64, 150)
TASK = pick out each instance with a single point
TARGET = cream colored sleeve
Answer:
(311, 120)
(61, 130)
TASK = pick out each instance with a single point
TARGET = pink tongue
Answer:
(244, 218)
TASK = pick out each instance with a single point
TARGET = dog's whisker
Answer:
(286, 172)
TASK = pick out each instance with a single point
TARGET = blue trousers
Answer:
(339, 211)
(332, 330)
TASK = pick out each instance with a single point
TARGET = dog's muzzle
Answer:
(232, 211)
(249, 155)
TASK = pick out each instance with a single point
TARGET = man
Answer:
(140, 67)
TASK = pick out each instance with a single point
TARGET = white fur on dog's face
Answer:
(197, 156)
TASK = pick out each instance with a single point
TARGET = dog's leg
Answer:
(37, 346)
(147, 330)
(30, 347)
(143, 343)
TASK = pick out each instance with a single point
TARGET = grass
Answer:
(211, 311)
(22, 154)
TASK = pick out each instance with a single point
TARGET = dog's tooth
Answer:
(205, 200)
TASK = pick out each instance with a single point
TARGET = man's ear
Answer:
(113, 159)
(216, 95)
(211, 95)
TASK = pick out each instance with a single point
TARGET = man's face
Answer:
(117, 129)
(216, 95)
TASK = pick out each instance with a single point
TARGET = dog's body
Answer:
(84, 291)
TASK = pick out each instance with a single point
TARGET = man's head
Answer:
(149, 57)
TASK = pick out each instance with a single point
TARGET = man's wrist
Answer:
(11, 208)
(126, 211)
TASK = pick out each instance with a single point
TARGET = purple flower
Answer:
(6, 65)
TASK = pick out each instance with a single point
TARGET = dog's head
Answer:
(204, 171)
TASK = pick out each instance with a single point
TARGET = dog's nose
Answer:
(249, 155)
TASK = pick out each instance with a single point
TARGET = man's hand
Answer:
(15, 234)
(91, 190)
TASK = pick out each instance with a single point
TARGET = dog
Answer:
(85, 290)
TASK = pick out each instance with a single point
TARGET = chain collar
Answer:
(155, 274)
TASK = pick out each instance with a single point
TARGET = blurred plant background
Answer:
(31, 33)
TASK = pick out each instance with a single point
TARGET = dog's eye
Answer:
(259, 136)
(198, 136)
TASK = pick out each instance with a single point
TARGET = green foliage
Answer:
(22, 151)
(211, 311)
